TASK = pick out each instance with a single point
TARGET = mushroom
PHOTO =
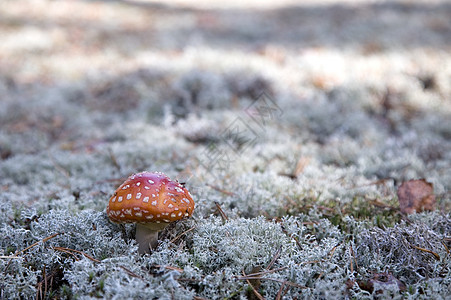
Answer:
(152, 200)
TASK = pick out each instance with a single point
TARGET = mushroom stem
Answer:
(147, 236)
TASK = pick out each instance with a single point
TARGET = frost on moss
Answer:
(87, 256)
(48, 244)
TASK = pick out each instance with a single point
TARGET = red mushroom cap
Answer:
(150, 198)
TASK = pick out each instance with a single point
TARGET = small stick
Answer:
(37, 243)
(263, 272)
(446, 247)
(311, 262)
(273, 260)
(76, 251)
(259, 296)
(279, 293)
(291, 236)
(185, 232)
(169, 268)
(45, 280)
(437, 257)
(129, 272)
(31, 246)
(352, 253)
(66, 251)
(221, 212)
(332, 251)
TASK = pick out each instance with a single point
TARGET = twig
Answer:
(169, 268)
(311, 262)
(10, 257)
(263, 272)
(332, 251)
(131, 273)
(273, 260)
(45, 280)
(76, 251)
(279, 293)
(66, 251)
(259, 296)
(291, 236)
(46, 277)
(437, 257)
(185, 232)
(446, 247)
(37, 243)
(221, 212)
(31, 246)
(353, 256)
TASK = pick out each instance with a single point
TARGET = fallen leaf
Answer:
(380, 281)
(416, 196)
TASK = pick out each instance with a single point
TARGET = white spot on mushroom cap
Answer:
(138, 195)
(146, 199)
(113, 199)
(154, 203)
(170, 205)
(173, 215)
(119, 199)
(129, 196)
(151, 181)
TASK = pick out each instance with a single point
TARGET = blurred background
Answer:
(325, 42)
(360, 83)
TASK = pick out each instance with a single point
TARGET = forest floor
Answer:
(293, 125)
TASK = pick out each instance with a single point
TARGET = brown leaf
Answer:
(416, 196)
(380, 281)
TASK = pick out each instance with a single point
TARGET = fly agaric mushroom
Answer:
(152, 200)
